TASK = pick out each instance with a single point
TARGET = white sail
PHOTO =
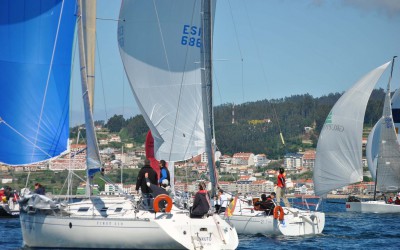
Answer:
(160, 43)
(88, 25)
(388, 159)
(373, 138)
(339, 150)
(93, 160)
(372, 148)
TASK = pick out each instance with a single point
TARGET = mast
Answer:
(86, 23)
(206, 81)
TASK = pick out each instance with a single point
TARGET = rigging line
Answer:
(263, 73)
(25, 138)
(101, 77)
(239, 47)
(48, 79)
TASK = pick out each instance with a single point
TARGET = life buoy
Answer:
(158, 199)
(278, 213)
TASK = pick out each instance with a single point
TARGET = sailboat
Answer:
(339, 150)
(9, 207)
(383, 156)
(95, 222)
(289, 221)
(177, 106)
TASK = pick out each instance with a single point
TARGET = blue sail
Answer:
(36, 40)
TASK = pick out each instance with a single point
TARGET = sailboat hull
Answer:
(296, 222)
(82, 226)
(9, 212)
(379, 207)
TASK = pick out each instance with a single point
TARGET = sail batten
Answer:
(339, 151)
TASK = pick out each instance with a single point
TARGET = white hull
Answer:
(372, 207)
(124, 229)
(296, 222)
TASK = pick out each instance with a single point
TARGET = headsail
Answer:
(86, 31)
(160, 45)
(35, 79)
(339, 150)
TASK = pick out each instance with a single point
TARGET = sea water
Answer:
(343, 230)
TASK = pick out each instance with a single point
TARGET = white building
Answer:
(261, 160)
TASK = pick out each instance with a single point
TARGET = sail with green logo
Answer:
(339, 151)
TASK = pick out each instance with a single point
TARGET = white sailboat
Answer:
(383, 156)
(101, 222)
(293, 221)
(339, 151)
(174, 96)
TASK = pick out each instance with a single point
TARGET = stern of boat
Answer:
(300, 222)
(210, 232)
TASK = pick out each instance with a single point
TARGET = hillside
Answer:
(257, 125)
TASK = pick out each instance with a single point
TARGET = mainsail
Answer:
(388, 162)
(35, 79)
(339, 150)
(372, 148)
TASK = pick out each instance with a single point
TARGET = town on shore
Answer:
(243, 173)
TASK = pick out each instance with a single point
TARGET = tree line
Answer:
(257, 125)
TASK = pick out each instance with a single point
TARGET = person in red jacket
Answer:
(281, 188)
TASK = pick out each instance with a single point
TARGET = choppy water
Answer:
(342, 231)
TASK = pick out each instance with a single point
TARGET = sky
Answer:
(265, 49)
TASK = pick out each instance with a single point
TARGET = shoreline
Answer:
(331, 196)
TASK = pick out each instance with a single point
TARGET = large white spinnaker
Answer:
(339, 151)
(160, 43)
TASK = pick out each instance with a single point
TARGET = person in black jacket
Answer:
(267, 203)
(141, 182)
(201, 203)
(39, 189)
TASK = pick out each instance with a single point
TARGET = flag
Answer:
(231, 208)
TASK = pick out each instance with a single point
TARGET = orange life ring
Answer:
(278, 213)
(158, 199)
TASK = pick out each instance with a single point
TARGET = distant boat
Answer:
(36, 59)
(339, 150)
(383, 156)
(9, 207)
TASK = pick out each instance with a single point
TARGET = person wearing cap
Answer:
(164, 173)
(157, 190)
(141, 181)
(267, 204)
